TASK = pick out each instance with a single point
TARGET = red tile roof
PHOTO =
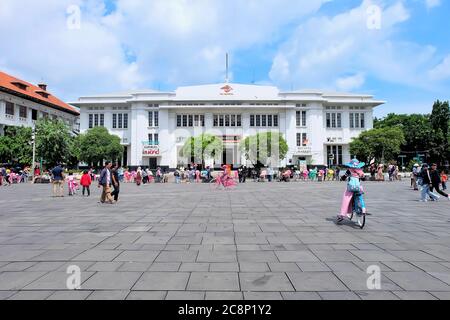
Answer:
(34, 93)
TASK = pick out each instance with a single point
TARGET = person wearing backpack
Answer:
(354, 174)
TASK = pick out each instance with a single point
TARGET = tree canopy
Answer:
(15, 146)
(52, 141)
(383, 144)
(96, 145)
(202, 147)
(264, 148)
(426, 134)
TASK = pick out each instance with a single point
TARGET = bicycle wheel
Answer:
(361, 220)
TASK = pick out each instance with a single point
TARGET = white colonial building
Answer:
(153, 126)
(22, 104)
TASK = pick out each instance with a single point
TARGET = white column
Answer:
(317, 131)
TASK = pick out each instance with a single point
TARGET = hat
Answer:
(416, 165)
(355, 164)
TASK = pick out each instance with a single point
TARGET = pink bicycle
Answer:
(219, 182)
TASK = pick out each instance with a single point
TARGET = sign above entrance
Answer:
(150, 150)
(304, 151)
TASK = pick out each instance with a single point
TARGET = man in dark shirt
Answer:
(58, 181)
(426, 184)
(115, 182)
(436, 181)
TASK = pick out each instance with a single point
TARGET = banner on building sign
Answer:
(150, 151)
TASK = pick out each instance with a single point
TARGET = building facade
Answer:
(153, 126)
(22, 104)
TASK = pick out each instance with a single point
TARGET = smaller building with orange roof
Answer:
(22, 104)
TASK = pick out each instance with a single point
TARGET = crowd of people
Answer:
(9, 175)
(429, 181)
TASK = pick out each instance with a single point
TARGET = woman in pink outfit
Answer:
(354, 174)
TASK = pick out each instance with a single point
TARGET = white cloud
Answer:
(351, 82)
(171, 42)
(432, 3)
(323, 51)
(441, 71)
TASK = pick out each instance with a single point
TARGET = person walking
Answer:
(58, 181)
(415, 177)
(436, 181)
(86, 182)
(138, 178)
(426, 184)
(105, 182)
(444, 179)
(115, 182)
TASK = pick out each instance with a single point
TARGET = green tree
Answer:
(383, 144)
(203, 147)
(97, 145)
(264, 148)
(440, 122)
(15, 146)
(52, 141)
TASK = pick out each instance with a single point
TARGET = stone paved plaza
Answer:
(260, 241)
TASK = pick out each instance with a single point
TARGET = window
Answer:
(334, 120)
(153, 139)
(23, 112)
(190, 120)
(120, 122)
(150, 118)
(357, 120)
(302, 140)
(156, 115)
(34, 114)
(125, 120)
(95, 120)
(114, 124)
(304, 118)
(334, 155)
(227, 120)
(9, 108)
(300, 118)
(263, 120)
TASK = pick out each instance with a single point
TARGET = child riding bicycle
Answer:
(353, 188)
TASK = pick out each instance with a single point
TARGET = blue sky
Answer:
(116, 45)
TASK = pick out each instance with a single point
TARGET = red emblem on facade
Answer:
(227, 89)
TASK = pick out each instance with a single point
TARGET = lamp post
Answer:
(33, 140)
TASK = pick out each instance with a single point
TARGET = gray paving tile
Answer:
(56, 280)
(316, 281)
(69, 295)
(162, 281)
(223, 295)
(31, 295)
(108, 295)
(213, 281)
(17, 280)
(147, 295)
(264, 282)
(185, 295)
(296, 256)
(417, 281)
(111, 281)
(137, 256)
(300, 296)
(414, 295)
(262, 296)
(344, 295)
